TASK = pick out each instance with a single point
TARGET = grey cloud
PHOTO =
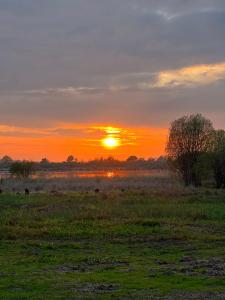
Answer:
(72, 42)
(84, 60)
(156, 107)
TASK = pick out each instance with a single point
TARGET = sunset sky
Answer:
(95, 78)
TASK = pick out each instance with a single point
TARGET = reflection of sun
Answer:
(110, 174)
(110, 142)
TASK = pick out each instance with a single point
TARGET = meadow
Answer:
(89, 181)
(159, 241)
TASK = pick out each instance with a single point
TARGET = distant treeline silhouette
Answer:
(131, 163)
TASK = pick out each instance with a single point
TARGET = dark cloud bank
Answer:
(99, 61)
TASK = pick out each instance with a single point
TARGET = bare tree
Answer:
(189, 140)
(70, 159)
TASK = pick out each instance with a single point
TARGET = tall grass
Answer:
(163, 183)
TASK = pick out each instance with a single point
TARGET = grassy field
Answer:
(159, 180)
(115, 245)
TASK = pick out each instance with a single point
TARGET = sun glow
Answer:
(110, 142)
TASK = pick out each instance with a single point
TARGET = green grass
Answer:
(131, 245)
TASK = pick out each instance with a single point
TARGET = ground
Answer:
(113, 245)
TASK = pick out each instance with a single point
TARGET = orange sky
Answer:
(72, 69)
(84, 142)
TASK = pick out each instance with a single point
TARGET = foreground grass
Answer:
(121, 245)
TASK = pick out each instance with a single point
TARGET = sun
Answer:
(110, 142)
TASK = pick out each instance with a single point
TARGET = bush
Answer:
(22, 169)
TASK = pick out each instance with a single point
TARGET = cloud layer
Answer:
(130, 62)
(191, 76)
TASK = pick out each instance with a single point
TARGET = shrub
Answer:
(22, 169)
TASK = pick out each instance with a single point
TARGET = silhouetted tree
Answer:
(44, 161)
(132, 158)
(218, 158)
(110, 158)
(22, 169)
(190, 138)
(70, 159)
(6, 161)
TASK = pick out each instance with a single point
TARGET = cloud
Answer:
(15, 131)
(92, 134)
(64, 91)
(191, 76)
(112, 62)
(80, 43)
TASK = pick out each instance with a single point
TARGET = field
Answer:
(120, 244)
(56, 181)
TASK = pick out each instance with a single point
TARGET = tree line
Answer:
(24, 169)
(196, 151)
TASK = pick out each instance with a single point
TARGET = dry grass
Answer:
(155, 183)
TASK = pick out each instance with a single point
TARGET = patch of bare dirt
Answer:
(177, 295)
(96, 288)
(213, 267)
(90, 266)
(195, 296)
